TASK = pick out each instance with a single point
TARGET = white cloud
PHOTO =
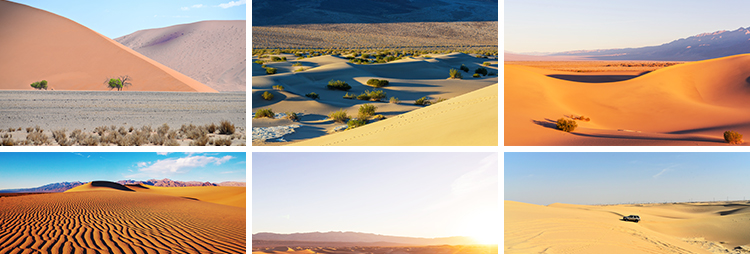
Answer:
(142, 164)
(232, 4)
(667, 169)
(173, 166)
(162, 153)
(198, 6)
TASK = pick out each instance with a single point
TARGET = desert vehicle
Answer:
(634, 218)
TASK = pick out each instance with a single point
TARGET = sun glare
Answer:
(483, 226)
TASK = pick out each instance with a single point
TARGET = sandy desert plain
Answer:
(107, 217)
(78, 101)
(334, 248)
(414, 57)
(627, 102)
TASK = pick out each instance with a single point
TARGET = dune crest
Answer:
(38, 45)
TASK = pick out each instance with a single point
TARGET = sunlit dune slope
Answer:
(37, 45)
(99, 221)
(686, 104)
(232, 196)
(560, 228)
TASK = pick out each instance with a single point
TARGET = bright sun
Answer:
(483, 226)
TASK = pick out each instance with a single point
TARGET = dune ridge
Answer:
(224, 195)
(686, 104)
(39, 45)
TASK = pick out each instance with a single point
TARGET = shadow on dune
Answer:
(191, 198)
(258, 101)
(112, 185)
(546, 123)
(595, 78)
(138, 186)
(305, 132)
(718, 129)
(696, 139)
(733, 211)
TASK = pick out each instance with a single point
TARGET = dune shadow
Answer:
(594, 78)
(305, 132)
(258, 101)
(697, 139)
(108, 184)
(733, 211)
(139, 186)
(191, 198)
(547, 123)
(718, 129)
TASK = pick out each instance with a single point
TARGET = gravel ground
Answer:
(86, 110)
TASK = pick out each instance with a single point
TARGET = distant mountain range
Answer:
(63, 186)
(287, 12)
(694, 48)
(356, 237)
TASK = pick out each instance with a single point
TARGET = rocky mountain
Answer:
(61, 187)
(286, 12)
(360, 238)
(52, 187)
(699, 47)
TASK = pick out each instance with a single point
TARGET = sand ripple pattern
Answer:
(117, 222)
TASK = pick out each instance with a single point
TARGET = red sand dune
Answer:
(686, 104)
(38, 45)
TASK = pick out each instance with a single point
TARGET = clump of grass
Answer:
(211, 128)
(486, 63)
(223, 142)
(464, 68)
(297, 64)
(201, 141)
(38, 138)
(366, 110)
(8, 142)
(259, 62)
(270, 70)
(476, 75)
(339, 116)
(338, 85)
(581, 118)
(162, 130)
(355, 123)
(292, 116)
(299, 69)
(439, 100)
(225, 127)
(60, 137)
(378, 117)
(312, 95)
(566, 125)
(278, 87)
(350, 96)
(266, 112)
(267, 96)
(422, 101)
(378, 82)
(732, 137)
(481, 70)
(455, 74)
(394, 100)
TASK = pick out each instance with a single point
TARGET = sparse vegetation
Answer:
(312, 95)
(464, 68)
(455, 74)
(394, 100)
(580, 118)
(439, 100)
(267, 112)
(350, 96)
(39, 85)
(338, 85)
(377, 82)
(486, 63)
(297, 64)
(566, 125)
(476, 75)
(223, 142)
(422, 101)
(366, 110)
(270, 70)
(118, 83)
(339, 116)
(267, 96)
(354, 123)
(481, 70)
(259, 62)
(278, 87)
(732, 137)
(225, 127)
(299, 69)
(292, 116)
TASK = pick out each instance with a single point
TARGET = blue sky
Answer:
(554, 26)
(118, 17)
(402, 194)
(26, 170)
(611, 178)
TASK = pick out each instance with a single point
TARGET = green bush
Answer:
(264, 113)
(276, 59)
(278, 87)
(376, 95)
(481, 70)
(267, 96)
(486, 63)
(259, 62)
(567, 125)
(394, 100)
(367, 110)
(338, 85)
(377, 82)
(349, 96)
(476, 75)
(364, 96)
(355, 123)
(339, 116)
(300, 69)
(270, 70)
(312, 95)
(464, 68)
(422, 101)
(455, 74)
(732, 137)
(40, 85)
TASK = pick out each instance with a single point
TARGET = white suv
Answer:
(634, 218)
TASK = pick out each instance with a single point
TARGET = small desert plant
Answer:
(476, 75)
(270, 70)
(29, 129)
(378, 117)
(211, 128)
(349, 96)
(259, 62)
(732, 137)
(276, 59)
(486, 63)
(312, 95)
(292, 116)
(267, 112)
(163, 129)
(225, 127)
(367, 110)
(267, 96)
(201, 141)
(339, 116)
(355, 123)
(59, 136)
(566, 124)
(40, 85)
(8, 142)
(394, 100)
(481, 70)
(300, 69)
(377, 82)
(377, 95)
(581, 118)
(464, 68)
(422, 101)
(278, 87)
(338, 85)
(455, 74)
(171, 142)
(223, 142)
(38, 138)
(297, 64)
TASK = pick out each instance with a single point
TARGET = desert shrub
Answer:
(211, 128)
(394, 100)
(732, 137)
(481, 70)
(581, 118)
(422, 101)
(278, 87)
(157, 139)
(297, 64)
(283, 59)
(486, 63)
(566, 124)
(267, 96)
(292, 116)
(8, 142)
(377, 82)
(367, 110)
(195, 133)
(275, 58)
(455, 74)
(297, 54)
(29, 129)
(267, 112)
(339, 116)
(60, 137)
(365, 55)
(300, 69)
(439, 100)
(223, 142)
(173, 134)
(312, 95)
(225, 127)
(100, 130)
(163, 129)
(355, 123)
(378, 117)
(259, 62)
(338, 85)
(476, 75)
(38, 138)
(171, 142)
(270, 70)
(377, 95)
(464, 68)
(301, 57)
(201, 141)
(364, 96)
(40, 85)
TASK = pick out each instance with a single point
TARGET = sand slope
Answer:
(37, 45)
(232, 196)
(99, 221)
(686, 104)
(665, 228)
(211, 52)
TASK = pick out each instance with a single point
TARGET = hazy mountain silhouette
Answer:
(694, 48)
(361, 238)
(287, 12)
(63, 186)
